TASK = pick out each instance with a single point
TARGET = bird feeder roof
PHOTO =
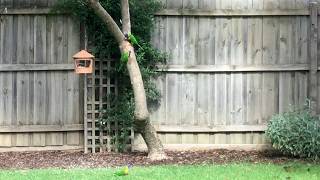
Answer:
(83, 54)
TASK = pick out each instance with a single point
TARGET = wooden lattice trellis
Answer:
(98, 86)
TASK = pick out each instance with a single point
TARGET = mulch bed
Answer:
(70, 159)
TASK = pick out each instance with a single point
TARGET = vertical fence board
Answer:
(74, 100)
(229, 98)
(207, 4)
(36, 97)
(270, 56)
(222, 56)
(205, 55)
(286, 40)
(23, 93)
(39, 43)
(313, 90)
(254, 56)
(174, 46)
(236, 84)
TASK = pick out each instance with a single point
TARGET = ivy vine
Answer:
(103, 46)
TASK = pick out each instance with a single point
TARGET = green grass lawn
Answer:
(197, 172)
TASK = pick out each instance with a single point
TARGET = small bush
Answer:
(295, 133)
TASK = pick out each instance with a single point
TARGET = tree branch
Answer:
(107, 19)
(125, 12)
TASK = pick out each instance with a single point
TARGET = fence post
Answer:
(313, 40)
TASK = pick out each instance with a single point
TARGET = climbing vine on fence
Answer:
(103, 46)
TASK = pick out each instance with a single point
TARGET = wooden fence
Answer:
(233, 64)
(41, 99)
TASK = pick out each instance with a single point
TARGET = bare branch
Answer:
(107, 19)
(125, 12)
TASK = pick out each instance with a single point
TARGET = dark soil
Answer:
(67, 159)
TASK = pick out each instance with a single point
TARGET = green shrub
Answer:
(295, 133)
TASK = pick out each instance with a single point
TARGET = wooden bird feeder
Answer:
(83, 62)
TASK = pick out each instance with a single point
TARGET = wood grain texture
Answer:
(231, 63)
(233, 68)
(35, 78)
(34, 11)
(41, 128)
(36, 67)
(232, 12)
(215, 129)
(27, 3)
(313, 74)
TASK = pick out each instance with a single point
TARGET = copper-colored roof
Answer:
(83, 54)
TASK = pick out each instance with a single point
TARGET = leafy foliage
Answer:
(103, 45)
(296, 133)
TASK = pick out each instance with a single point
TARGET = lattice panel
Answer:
(98, 86)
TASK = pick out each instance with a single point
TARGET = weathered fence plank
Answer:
(313, 76)
(34, 11)
(232, 12)
(234, 68)
(41, 128)
(40, 89)
(36, 67)
(213, 129)
(246, 61)
(286, 45)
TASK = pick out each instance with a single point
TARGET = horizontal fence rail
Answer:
(36, 67)
(234, 68)
(34, 11)
(233, 12)
(213, 129)
(41, 128)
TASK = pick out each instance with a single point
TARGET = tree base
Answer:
(155, 148)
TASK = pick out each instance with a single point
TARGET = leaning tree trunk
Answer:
(141, 113)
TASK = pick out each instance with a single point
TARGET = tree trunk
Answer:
(141, 113)
(149, 134)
